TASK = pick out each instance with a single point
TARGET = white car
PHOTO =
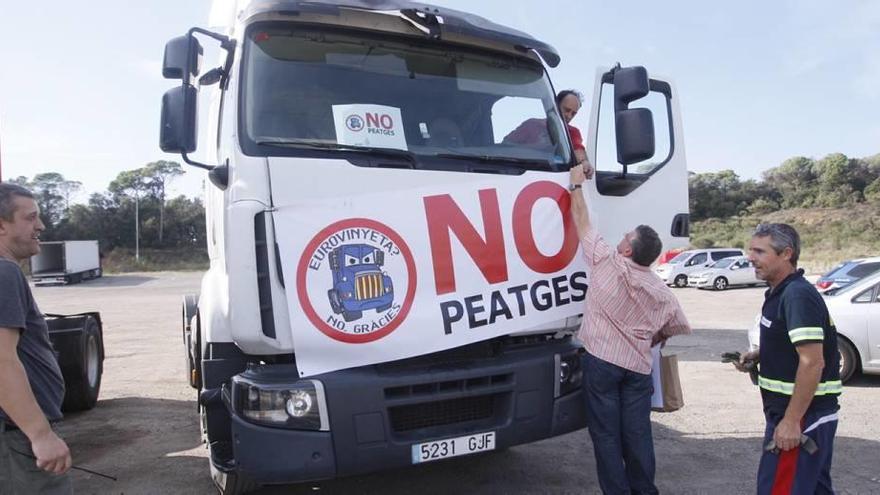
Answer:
(855, 310)
(724, 273)
(677, 270)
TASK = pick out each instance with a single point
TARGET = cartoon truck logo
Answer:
(358, 282)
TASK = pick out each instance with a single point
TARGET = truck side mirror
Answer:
(333, 259)
(380, 258)
(178, 131)
(182, 54)
(634, 127)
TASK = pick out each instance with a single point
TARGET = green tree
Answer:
(160, 174)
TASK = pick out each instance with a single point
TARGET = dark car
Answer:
(846, 273)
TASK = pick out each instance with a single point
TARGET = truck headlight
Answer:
(300, 406)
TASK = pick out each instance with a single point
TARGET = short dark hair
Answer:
(646, 245)
(8, 192)
(566, 92)
(782, 235)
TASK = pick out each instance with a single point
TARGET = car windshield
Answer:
(679, 258)
(839, 270)
(723, 263)
(353, 92)
(851, 288)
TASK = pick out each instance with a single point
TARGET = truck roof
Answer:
(452, 23)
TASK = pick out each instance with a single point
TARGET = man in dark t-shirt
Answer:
(799, 370)
(31, 385)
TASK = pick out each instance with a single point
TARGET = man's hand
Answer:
(787, 434)
(588, 170)
(52, 453)
(577, 175)
(745, 359)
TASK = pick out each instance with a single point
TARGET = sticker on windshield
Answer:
(375, 126)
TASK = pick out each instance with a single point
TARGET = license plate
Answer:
(452, 447)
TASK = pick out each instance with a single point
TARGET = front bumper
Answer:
(699, 283)
(377, 413)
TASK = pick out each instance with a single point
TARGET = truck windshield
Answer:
(330, 90)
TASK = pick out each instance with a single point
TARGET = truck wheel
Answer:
(83, 382)
(382, 309)
(335, 304)
(352, 315)
(681, 281)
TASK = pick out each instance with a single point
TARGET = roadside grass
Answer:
(828, 235)
(122, 260)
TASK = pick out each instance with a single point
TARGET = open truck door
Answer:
(636, 144)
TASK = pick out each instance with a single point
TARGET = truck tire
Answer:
(83, 382)
(192, 343)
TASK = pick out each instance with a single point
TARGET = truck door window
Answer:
(610, 173)
(453, 104)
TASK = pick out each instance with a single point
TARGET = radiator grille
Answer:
(439, 413)
(368, 286)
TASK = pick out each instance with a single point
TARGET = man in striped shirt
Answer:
(628, 310)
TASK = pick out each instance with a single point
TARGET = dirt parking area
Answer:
(144, 430)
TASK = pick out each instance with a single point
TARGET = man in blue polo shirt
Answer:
(799, 376)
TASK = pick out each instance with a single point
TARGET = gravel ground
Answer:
(144, 430)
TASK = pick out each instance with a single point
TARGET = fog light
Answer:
(299, 404)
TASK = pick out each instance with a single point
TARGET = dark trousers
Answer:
(619, 419)
(796, 471)
(19, 474)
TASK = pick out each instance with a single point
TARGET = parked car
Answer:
(676, 271)
(847, 273)
(855, 310)
(724, 273)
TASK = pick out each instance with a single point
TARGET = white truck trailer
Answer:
(66, 262)
(394, 279)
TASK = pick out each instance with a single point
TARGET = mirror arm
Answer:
(195, 163)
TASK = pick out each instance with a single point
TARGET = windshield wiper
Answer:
(320, 145)
(521, 163)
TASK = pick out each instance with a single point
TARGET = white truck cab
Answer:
(393, 279)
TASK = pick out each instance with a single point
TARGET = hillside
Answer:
(828, 235)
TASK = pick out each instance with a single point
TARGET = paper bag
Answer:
(667, 395)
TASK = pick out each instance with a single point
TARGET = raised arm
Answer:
(579, 212)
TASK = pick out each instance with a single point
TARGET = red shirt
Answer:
(627, 305)
(533, 132)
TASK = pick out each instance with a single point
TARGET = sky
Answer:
(759, 82)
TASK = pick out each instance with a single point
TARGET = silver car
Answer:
(855, 310)
(724, 273)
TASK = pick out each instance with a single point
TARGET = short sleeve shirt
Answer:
(795, 314)
(19, 311)
(627, 305)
